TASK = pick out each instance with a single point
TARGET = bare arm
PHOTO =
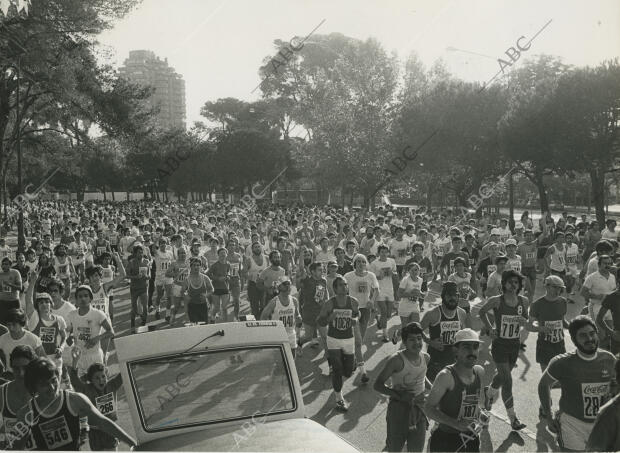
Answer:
(95, 418)
(443, 383)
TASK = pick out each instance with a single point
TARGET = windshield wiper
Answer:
(219, 333)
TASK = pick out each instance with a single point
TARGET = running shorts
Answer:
(407, 307)
(529, 272)
(573, 433)
(346, 345)
(545, 351)
(504, 353)
(198, 312)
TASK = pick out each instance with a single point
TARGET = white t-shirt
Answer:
(359, 287)
(407, 284)
(607, 234)
(7, 344)
(86, 327)
(398, 249)
(384, 269)
(600, 286)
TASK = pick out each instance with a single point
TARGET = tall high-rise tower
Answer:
(145, 68)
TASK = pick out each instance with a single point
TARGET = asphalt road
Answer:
(364, 424)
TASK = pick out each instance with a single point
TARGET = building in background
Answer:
(146, 68)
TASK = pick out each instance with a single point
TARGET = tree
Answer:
(526, 129)
(588, 125)
(343, 92)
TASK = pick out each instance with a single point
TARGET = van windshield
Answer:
(210, 387)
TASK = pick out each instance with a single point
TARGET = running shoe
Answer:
(385, 339)
(517, 425)
(158, 315)
(395, 337)
(342, 405)
(365, 378)
(168, 319)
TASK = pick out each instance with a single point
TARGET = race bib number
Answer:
(165, 265)
(182, 275)
(561, 259)
(63, 270)
(319, 293)
(451, 266)
(100, 251)
(530, 255)
(105, 403)
(99, 304)
(557, 334)
(56, 433)
(107, 275)
(509, 327)
(515, 265)
(386, 271)
(342, 320)
(6, 288)
(362, 287)
(594, 396)
(47, 334)
(464, 290)
(469, 406)
(83, 333)
(234, 269)
(113, 240)
(143, 271)
(288, 320)
(447, 331)
(571, 259)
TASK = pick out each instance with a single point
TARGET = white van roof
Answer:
(199, 337)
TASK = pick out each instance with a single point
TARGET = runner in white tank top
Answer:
(284, 308)
(406, 372)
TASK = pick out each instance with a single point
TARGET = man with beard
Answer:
(454, 399)
(585, 376)
(267, 278)
(312, 295)
(443, 322)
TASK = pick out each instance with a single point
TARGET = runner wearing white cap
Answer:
(455, 397)
(548, 318)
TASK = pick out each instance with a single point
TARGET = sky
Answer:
(218, 45)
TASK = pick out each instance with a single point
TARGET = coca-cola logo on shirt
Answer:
(595, 388)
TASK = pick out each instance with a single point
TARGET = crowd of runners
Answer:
(326, 274)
